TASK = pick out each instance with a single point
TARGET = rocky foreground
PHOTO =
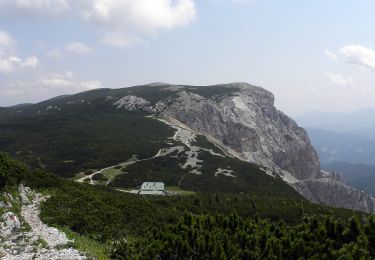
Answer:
(25, 236)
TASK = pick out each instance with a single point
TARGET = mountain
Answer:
(341, 147)
(359, 176)
(78, 136)
(227, 138)
(360, 122)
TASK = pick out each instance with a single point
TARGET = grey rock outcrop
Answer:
(331, 192)
(23, 194)
(133, 103)
(246, 122)
(333, 176)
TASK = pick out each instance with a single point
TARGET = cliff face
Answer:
(246, 122)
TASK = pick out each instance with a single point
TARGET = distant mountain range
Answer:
(361, 122)
(341, 147)
(345, 143)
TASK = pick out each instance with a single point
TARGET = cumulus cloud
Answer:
(144, 14)
(10, 64)
(9, 61)
(122, 22)
(359, 55)
(127, 21)
(340, 79)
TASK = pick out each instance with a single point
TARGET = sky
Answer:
(313, 54)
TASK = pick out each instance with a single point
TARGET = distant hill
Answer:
(334, 146)
(361, 122)
(360, 176)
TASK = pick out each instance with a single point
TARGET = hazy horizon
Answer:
(294, 49)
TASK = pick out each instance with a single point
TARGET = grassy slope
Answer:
(66, 143)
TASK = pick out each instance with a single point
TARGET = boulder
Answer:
(10, 223)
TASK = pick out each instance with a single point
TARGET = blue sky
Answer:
(313, 55)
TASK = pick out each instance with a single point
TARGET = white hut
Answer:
(152, 188)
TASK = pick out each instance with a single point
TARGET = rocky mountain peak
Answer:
(247, 123)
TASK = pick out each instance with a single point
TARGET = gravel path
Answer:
(52, 236)
(25, 244)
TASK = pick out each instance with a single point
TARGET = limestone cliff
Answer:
(246, 122)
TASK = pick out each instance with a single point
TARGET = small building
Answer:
(152, 188)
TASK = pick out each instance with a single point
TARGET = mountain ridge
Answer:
(239, 116)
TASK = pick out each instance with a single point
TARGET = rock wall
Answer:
(248, 124)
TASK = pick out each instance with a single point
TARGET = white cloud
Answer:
(12, 63)
(31, 61)
(129, 20)
(36, 7)
(144, 14)
(115, 39)
(359, 55)
(48, 85)
(340, 79)
(7, 43)
(9, 61)
(122, 22)
(78, 48)
(66, 82)
(331, 55)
